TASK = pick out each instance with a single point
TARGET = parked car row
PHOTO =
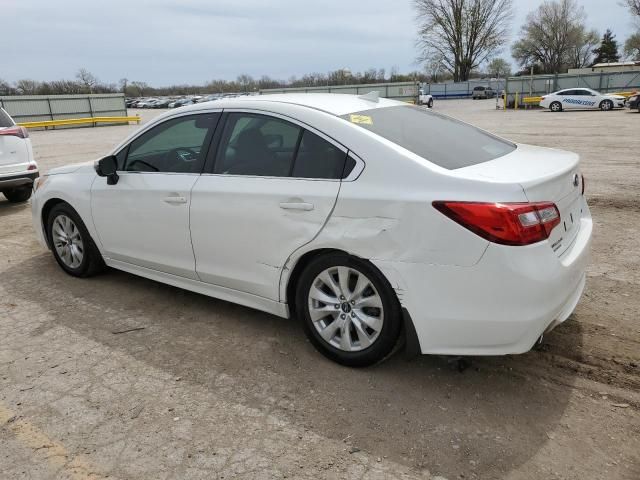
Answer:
(173, 102)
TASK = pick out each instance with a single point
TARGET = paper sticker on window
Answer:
(363, 119)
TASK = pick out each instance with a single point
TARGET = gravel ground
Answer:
(208, 389)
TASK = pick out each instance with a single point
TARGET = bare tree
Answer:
(27, 87)
(632, 47)
(554, 36)
(633, 5)
(140, 87)
(499, 68)
(123, 83)
(65, 87)
(434, 67)
(6, 88)
(87, 79)
(463, 33)
(246, 82)
(581, 51)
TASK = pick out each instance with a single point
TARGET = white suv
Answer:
(18, 169)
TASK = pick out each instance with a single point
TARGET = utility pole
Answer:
(531, 82)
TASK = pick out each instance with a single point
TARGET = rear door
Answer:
(271, 186)
(14, 150)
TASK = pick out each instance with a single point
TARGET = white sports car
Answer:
(367, 219)
(581, 99)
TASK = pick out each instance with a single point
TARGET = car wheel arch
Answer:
(44, 215)
(306, 258)
(297, 269)
(408, 337)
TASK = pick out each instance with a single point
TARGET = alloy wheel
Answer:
(67, 241)
(345, 308)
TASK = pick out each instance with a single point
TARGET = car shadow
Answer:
(8, 208)
(482, 422)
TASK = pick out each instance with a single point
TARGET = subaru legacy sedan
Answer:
(369, 220)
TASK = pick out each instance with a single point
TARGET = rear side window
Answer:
(318, 158)
(442, 140)
(5, 119)
(257, 145)
(261, 145)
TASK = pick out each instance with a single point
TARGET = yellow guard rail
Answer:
(79, 121)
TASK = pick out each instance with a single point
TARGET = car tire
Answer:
(606, 105)
(72, 246)
(430, 103)
(351, 335)
(18, 195)
(555, 107)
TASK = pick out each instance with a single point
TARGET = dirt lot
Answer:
(212, 390)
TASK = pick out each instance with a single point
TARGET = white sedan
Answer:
(581, 99)
(365, 218)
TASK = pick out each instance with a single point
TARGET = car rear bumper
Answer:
(16, 180)
(501, 305)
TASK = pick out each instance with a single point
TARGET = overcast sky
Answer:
(192, 41)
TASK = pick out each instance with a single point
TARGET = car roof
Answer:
(333, 103)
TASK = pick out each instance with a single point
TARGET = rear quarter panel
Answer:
(386, 214)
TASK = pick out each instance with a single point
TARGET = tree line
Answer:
(85, 82)
(457, 36)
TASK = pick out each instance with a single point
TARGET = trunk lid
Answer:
(545, 175)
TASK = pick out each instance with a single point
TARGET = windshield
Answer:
(442, 140)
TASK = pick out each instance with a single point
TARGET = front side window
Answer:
(441, 140)
(178, 145)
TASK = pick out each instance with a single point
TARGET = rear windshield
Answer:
(442, 140)
(5, 119)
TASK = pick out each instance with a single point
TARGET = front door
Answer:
(144, 219)
(272, 189)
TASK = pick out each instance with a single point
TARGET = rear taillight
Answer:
(504, 223)
(15, 131)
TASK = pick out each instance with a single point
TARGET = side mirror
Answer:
(107, 167)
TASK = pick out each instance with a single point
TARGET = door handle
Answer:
(296, 206)
(175, 199)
